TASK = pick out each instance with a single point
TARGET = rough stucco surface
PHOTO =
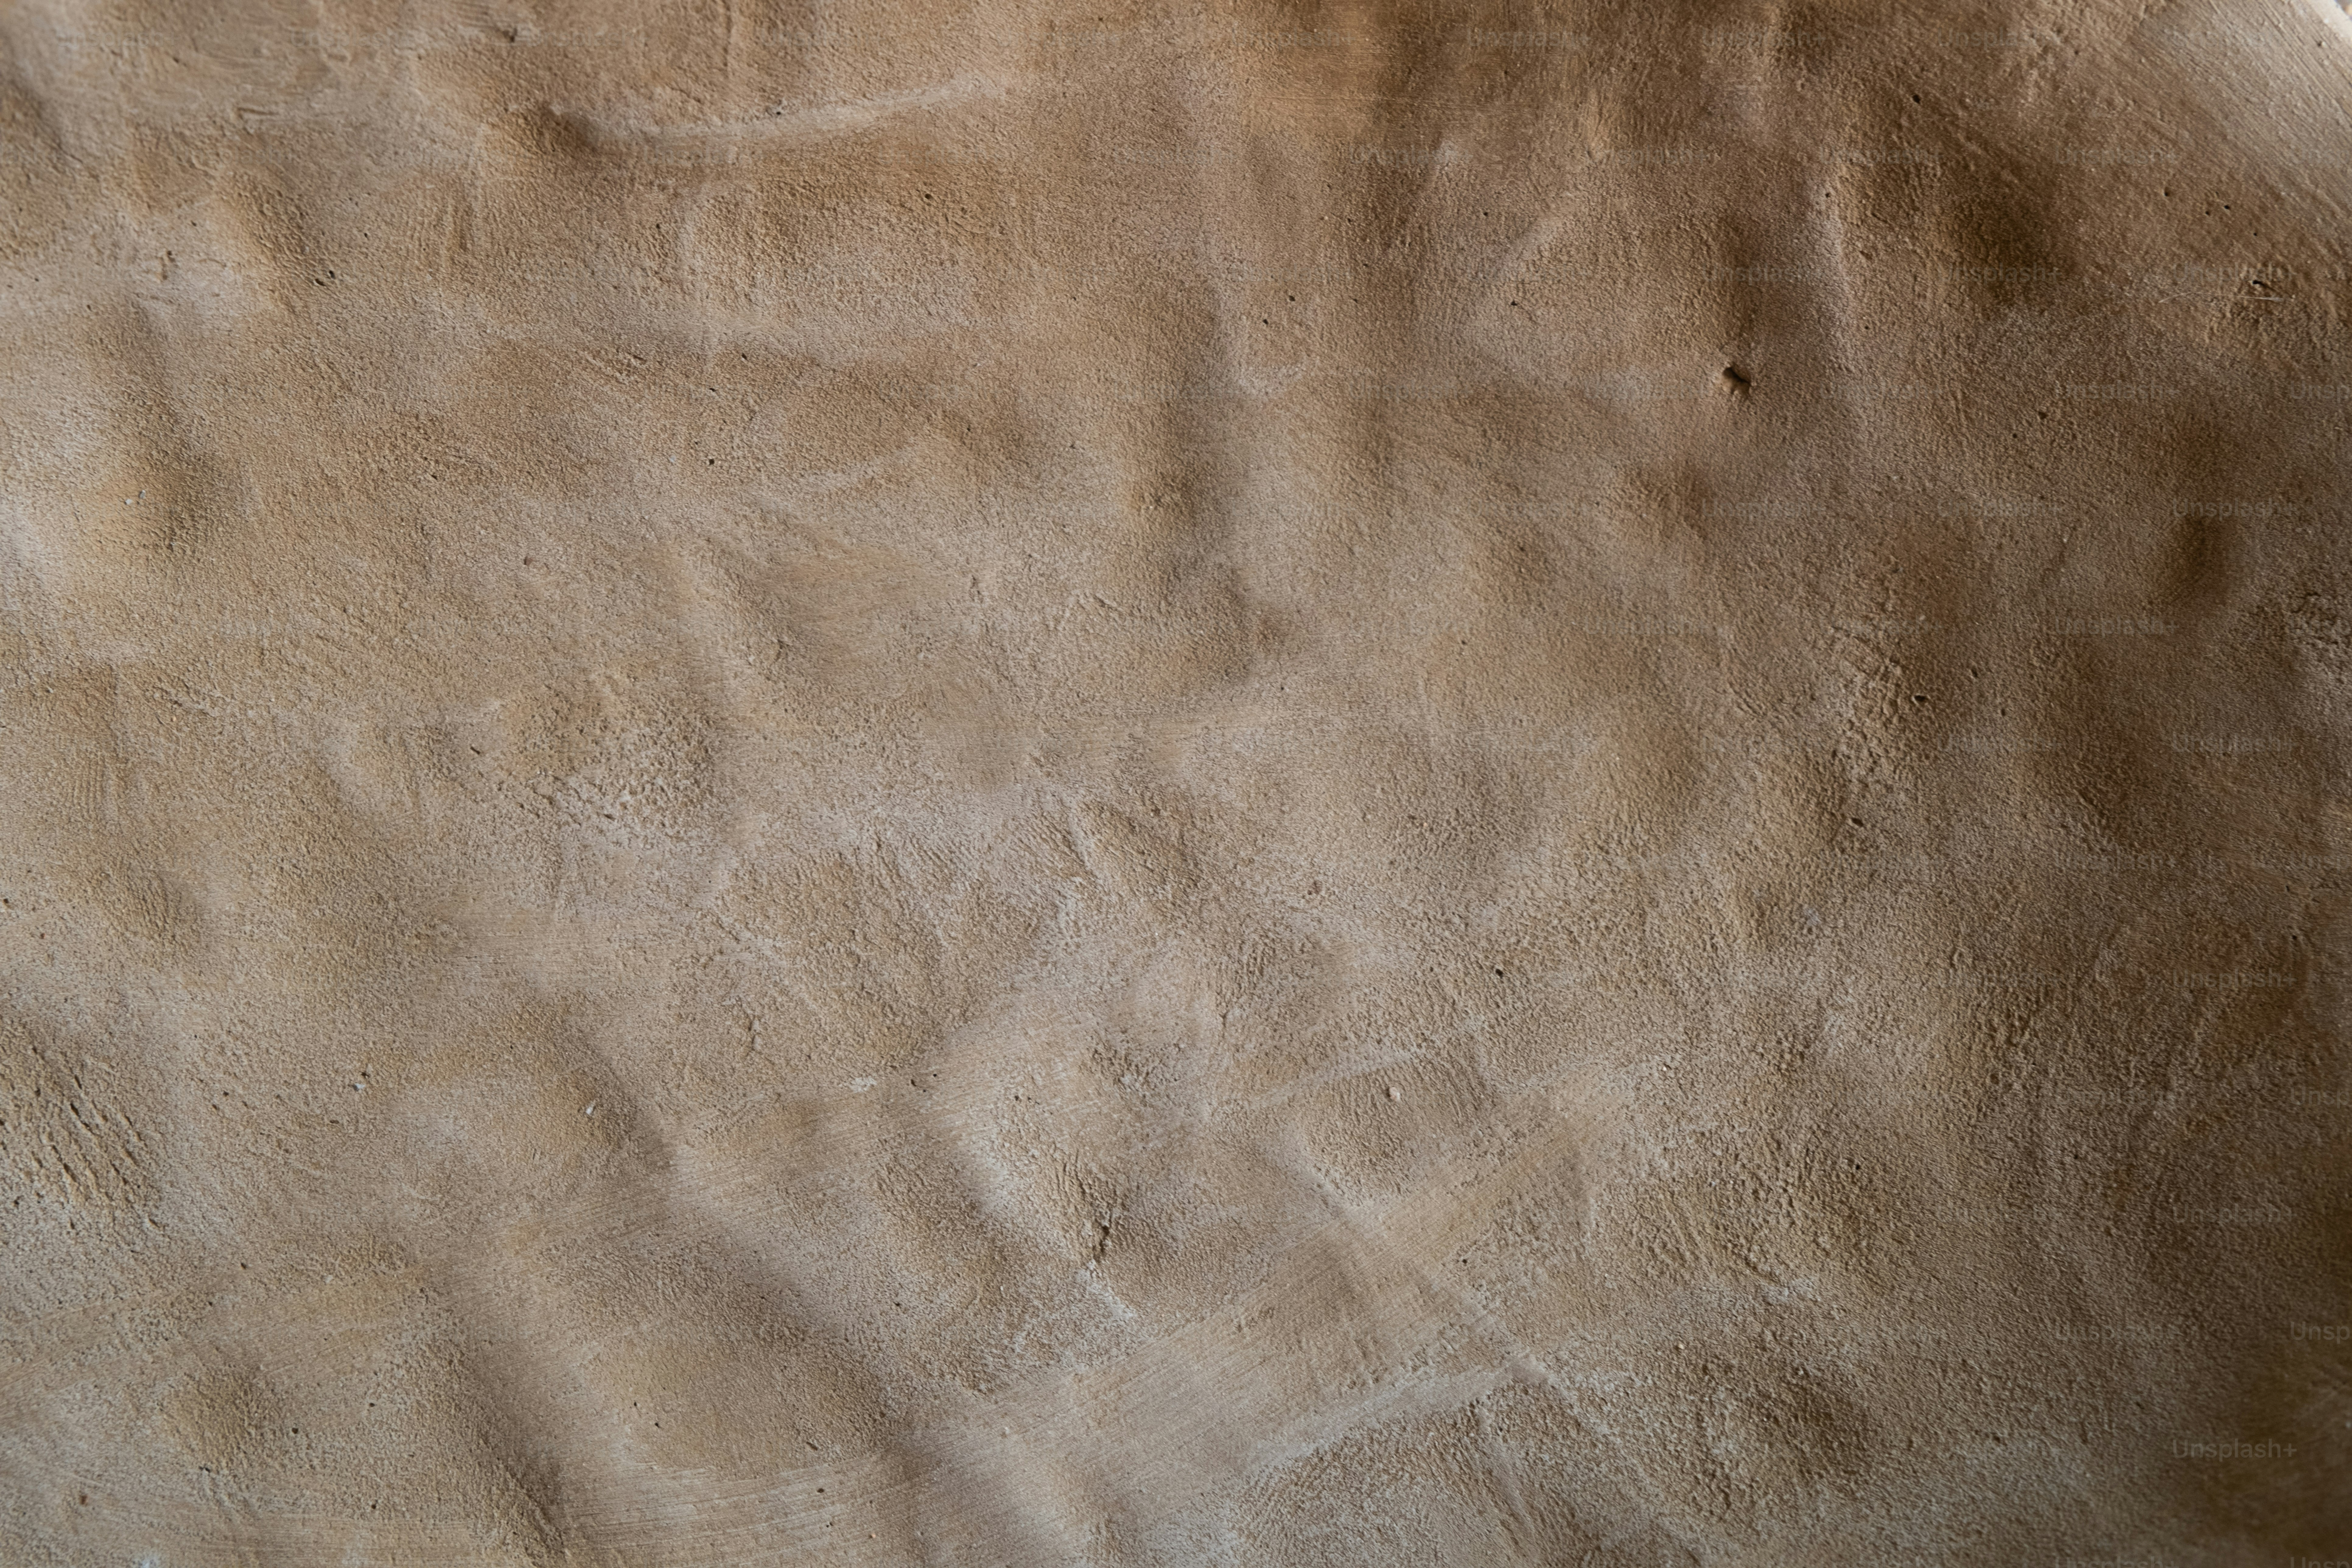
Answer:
(966, 784)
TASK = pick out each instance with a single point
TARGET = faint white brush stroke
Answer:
(2338, 12)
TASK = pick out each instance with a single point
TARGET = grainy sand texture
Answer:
(801, 781)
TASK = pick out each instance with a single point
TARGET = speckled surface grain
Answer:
(960, 784)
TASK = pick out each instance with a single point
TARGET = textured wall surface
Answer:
(958, 784)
